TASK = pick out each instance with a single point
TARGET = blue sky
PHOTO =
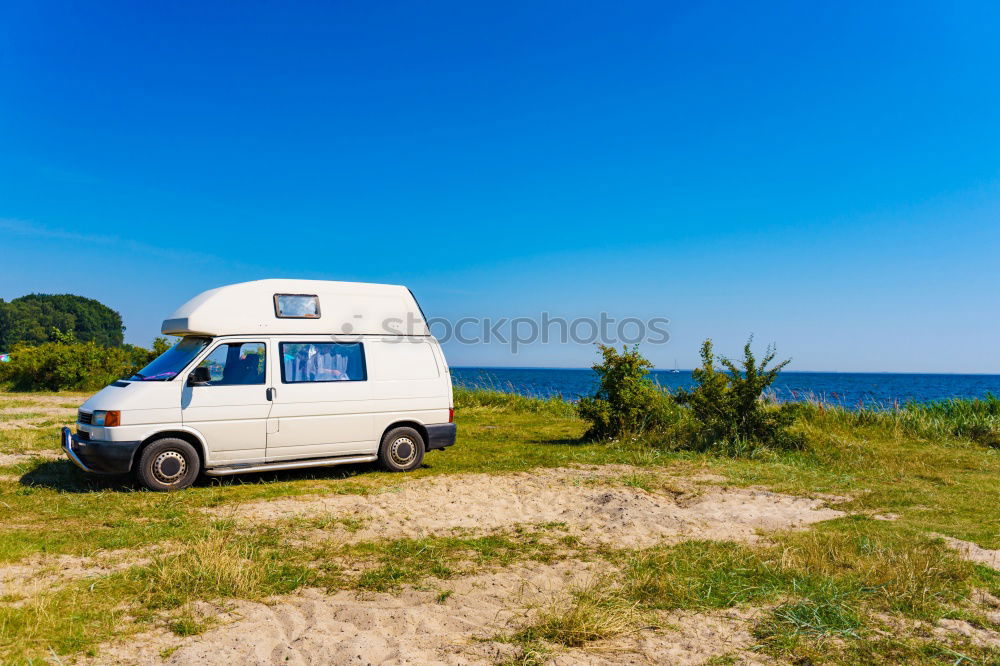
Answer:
(823, 175)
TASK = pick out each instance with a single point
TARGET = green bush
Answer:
(730, 409)
(160, 345)
(67, 364)
(627, 401)
(32, 319)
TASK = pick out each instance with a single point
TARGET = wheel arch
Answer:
(186, 435)
(416, 425)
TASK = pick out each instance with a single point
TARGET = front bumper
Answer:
(441, 435)
(99, 456)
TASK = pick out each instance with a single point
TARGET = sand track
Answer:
(413, 628)
(973, 552)
(590, 501)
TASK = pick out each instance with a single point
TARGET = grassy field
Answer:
(837, 593)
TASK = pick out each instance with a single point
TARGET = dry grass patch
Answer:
(826, 589)
(592, 613)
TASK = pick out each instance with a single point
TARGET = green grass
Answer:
(223, 564)
(251, 562)
(187, 624)
(937, 483)
(926, 465)
(593, 613)
(831, 616)
(700, 575)
(410, 561)
(13, 403)
(19, 416)
(490, 399)
(826, 587)
(29, 440)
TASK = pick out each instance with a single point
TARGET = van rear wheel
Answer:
(402, 450)
(168, 464)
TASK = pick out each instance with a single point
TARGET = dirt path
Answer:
(413, 627)
(591, 501)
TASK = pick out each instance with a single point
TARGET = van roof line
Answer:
(249, 308)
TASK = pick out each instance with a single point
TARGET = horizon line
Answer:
(822, 372)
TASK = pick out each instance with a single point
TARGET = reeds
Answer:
(491, 398)
(976, 419)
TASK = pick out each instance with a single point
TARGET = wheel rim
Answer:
(403, 451)
(169, 467)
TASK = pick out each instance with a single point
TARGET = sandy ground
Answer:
(33, 401)
(589, 500)
(974, 553)
(16, 458)
(20, 581)
(43, 411)
(980, 636)
(982, 600)
(414, 628)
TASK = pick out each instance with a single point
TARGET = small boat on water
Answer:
(675, 370)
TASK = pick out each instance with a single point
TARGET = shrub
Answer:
(67, 364)
(161, 344)
(32, 319)
(627, 402)
(730, 408)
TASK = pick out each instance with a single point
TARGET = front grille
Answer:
(83, 435)
(84, 417)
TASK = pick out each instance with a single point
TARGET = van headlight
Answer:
(107, 418)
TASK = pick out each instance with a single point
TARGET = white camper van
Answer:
(272, 375)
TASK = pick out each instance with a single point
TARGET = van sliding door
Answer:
(321, 402)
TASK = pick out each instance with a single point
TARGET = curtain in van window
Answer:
(322, 362)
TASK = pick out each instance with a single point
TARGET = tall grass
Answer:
(219, 567)
(224, 565)
(976, 419)
(495, 400)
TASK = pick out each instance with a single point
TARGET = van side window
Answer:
(236, 363)
(296, 306)
(322, 362)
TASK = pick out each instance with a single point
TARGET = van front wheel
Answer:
(168, 464)
(402, 450)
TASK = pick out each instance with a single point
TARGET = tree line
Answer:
(38, 318)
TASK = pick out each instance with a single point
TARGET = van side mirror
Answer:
(200, 376)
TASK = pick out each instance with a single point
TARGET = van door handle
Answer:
(270, 393)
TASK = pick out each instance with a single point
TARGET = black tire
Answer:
(402, 450)
(168, 464)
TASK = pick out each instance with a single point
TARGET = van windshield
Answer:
(169, 363)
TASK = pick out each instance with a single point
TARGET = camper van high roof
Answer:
(300, 306)
(274, 375)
